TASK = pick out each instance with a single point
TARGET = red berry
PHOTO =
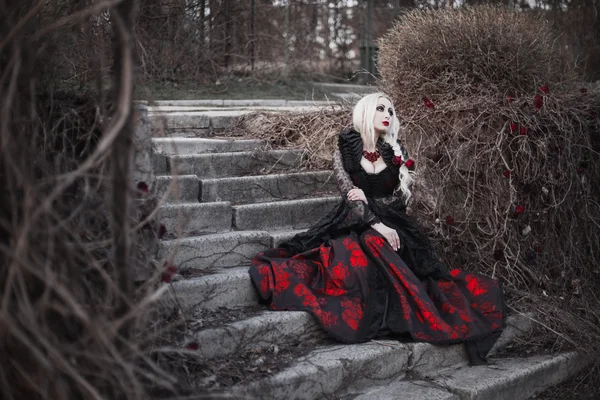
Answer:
(192, 346)
(519, 209)
(428, 103)
(410, 164)
(507, 173)
(142, 187)
(523, 130)
(513, 127)
(545, 89)
(166, 278)
(449, 219)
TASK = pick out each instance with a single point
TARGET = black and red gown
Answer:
(350, 279)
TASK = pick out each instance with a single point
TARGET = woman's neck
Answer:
(376, 137)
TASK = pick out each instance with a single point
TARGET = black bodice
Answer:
(374, 185)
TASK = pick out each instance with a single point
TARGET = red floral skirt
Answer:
(357, 286)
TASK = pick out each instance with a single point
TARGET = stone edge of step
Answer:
(511, 378)
(329, 369)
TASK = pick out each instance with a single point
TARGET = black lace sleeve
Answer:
(359, 212)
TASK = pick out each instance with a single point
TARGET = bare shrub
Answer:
(315, 131)
(507, 145)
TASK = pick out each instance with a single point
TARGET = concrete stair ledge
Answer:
(264, 188)
(221, 165)
(218, 120)
(182, 188)
(287, 214)
(190, 146)
(331, 371)
(510, 378)
(276, 327)
(227, 288)
(193, 219)
(407, 390)
(258, 332)
(229, 249)
(158, 104)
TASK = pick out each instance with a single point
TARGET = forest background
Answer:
(188, 43)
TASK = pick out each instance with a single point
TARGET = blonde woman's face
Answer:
(383, 115)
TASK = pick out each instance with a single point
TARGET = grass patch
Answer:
(236, 89)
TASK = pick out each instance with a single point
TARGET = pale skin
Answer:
(381, 121)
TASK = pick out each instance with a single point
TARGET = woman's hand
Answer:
(389, 234)
(357, 194)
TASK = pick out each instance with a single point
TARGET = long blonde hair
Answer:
(362, 119)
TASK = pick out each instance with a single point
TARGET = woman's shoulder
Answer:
(349, 139)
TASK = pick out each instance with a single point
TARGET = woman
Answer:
(365, 269)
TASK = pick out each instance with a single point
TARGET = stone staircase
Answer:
(229, 198)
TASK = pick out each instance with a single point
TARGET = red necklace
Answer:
(372, 156)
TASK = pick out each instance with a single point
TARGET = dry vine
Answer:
(72, 324)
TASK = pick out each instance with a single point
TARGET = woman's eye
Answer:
(379, 108)
(391, 112)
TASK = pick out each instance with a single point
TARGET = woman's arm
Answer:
(359, 211)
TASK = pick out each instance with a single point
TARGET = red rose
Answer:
(507, 173)
(519, 209)
(449, 219)
(538, 101)
(142, 187)
(428, 103)
(544, 88)
(410, 164)
(397, 160)
(510, 99)
(192, 346)
(513, 127)
(523, 130)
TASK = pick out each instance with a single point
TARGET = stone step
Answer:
(275, 327)
(508, 378)
(264, 188)
(407, 389)
(377, 370)
(333, 370)
(159, 104)
(189, 146)
(183, 188)
(258, 332)
(222, 165)
(194, 219)
(288, 214)
(227, 249)
(228, 288)
(182, 120)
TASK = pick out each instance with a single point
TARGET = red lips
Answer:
(385, 123)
